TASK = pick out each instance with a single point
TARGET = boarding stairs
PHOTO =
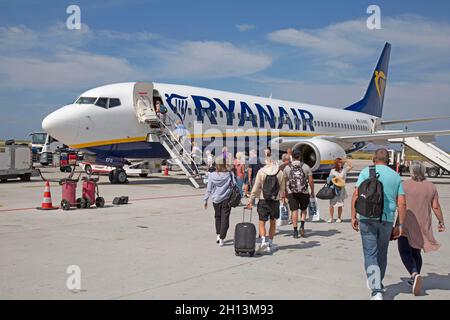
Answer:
(428, 150)
(162, 130)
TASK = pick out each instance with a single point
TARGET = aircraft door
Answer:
(143, 101)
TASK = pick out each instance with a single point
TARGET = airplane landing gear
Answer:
(118, 176)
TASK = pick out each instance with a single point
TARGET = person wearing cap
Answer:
(337, 178)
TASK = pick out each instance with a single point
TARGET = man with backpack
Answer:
(269, 186)
(378, 193)
(298, 176)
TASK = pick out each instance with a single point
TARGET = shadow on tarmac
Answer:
(432, 281)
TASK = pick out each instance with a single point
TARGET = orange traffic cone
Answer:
(47, 201)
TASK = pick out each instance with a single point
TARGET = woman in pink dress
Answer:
(417, 235)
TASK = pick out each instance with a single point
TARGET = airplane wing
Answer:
(385, 136)
(400, 121)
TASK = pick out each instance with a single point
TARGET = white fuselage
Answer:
(88, 125)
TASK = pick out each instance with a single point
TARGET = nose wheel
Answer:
(118, 176)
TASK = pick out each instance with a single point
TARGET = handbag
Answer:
(234, 199)
(326, 193)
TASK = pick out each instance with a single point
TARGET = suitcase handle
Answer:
(243, 214)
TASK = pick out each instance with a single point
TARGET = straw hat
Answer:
(338, 182)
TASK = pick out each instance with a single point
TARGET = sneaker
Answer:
(268, 249)
(221, 243)
(377, 296)
(417, 285)
(218, 238)
(302, 232)
(295, 234)
(330, 221)
(338, 220)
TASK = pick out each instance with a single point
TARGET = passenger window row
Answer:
(296, 121)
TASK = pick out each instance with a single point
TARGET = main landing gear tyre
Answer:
(120, 176)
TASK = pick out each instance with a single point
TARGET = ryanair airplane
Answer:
(104, 121)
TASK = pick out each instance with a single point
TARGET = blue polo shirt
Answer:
(392, 187)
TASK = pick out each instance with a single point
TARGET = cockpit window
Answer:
(114, 102)
(102, 102)
(86, 100)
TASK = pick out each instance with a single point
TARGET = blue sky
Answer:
(310, 51)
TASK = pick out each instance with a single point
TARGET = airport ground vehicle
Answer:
(15, 161)
(136, 167)
(44, 147)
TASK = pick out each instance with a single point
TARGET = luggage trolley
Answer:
(89, 193)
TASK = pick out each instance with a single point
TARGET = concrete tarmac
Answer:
(162, 246)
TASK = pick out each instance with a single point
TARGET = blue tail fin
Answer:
(372, 103)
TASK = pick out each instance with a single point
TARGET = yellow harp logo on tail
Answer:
(380, 82)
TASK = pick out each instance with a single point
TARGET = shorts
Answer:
(268, 209)
(298, 201)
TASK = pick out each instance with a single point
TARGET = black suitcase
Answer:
(245, 237)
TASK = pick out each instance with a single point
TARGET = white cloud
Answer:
(353, 38)
(210, 59)
(55, 58)
(71, 69)
(245, 27)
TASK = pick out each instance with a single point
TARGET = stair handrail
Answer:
(173, 138)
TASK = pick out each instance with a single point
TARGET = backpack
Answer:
(234, 198)
(370, 196)
(271, 187)
(297, 179)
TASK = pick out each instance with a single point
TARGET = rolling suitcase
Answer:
(245, 237)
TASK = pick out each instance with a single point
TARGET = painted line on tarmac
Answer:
(137, 199)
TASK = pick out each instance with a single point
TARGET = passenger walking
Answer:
(209, 159)
(218, 188)
(180, 133)
(337, 176)
(269, 187)
(285, 161)
(298, 177)
(239, 167)
(161, 111)
(376, 232)
(196, 156)
(421, 199)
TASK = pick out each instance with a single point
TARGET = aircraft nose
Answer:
(62, 125)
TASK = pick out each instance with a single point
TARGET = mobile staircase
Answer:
(428, 150)
(162, 131)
